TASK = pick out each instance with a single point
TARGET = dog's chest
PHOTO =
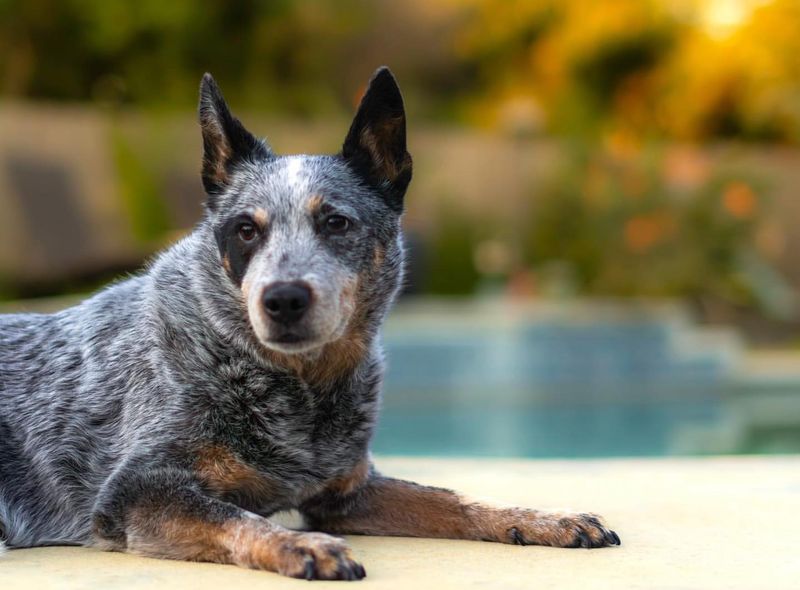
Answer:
(274, 447)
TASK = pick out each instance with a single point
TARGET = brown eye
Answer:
(337, 224)
(247, 232)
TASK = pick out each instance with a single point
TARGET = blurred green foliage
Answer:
(277, 53)
(449, 265)
(140, 191)
(623, 229)
(688, 69)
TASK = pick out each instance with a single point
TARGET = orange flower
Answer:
(642, 232)
(622, 146)
(739, 200)
(686, 168)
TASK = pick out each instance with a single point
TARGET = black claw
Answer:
(342, 566)
(616, 538)
(517, 537)
(355, 571)
(585, 541)
(310, 571)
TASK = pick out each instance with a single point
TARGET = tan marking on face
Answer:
(343, 354)
(226, 475)
(260, 216)
(314, 204)
(226, 263)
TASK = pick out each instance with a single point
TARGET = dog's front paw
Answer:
(316, 556)
(562, 529)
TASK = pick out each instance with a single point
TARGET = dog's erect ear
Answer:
(225, 140)
(375, 146)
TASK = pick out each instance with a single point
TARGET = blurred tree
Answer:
(154, 52)
(640, 66)
(573, 58)
(743, 84)
(449, 264)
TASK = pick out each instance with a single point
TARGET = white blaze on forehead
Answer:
(297, 175)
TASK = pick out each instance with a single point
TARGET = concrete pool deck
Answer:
(727, 522)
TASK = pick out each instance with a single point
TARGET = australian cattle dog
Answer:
(239, 375)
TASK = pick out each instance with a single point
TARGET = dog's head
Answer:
(310, 242)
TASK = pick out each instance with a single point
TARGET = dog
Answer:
(239, 375)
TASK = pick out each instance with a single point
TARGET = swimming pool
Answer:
(587, 380)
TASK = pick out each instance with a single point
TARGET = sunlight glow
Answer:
(721, 17)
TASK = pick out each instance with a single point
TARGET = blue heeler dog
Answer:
(239, 375)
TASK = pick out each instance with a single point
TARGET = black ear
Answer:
(375, 146)
(225, 140)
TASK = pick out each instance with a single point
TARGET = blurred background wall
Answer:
(608, 189)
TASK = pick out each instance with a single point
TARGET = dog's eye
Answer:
(247, 232)
(337, 224)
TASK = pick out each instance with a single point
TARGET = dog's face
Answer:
(308, 240)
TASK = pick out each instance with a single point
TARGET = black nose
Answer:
(287, 302)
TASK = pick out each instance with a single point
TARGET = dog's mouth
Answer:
(290, 341)
(288, 338)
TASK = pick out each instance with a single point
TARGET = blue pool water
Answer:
(543, 431)
(551, 387)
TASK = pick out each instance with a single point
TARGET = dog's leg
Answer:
(379, 505)
(165, 513)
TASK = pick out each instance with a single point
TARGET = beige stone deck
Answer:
(684, 523)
